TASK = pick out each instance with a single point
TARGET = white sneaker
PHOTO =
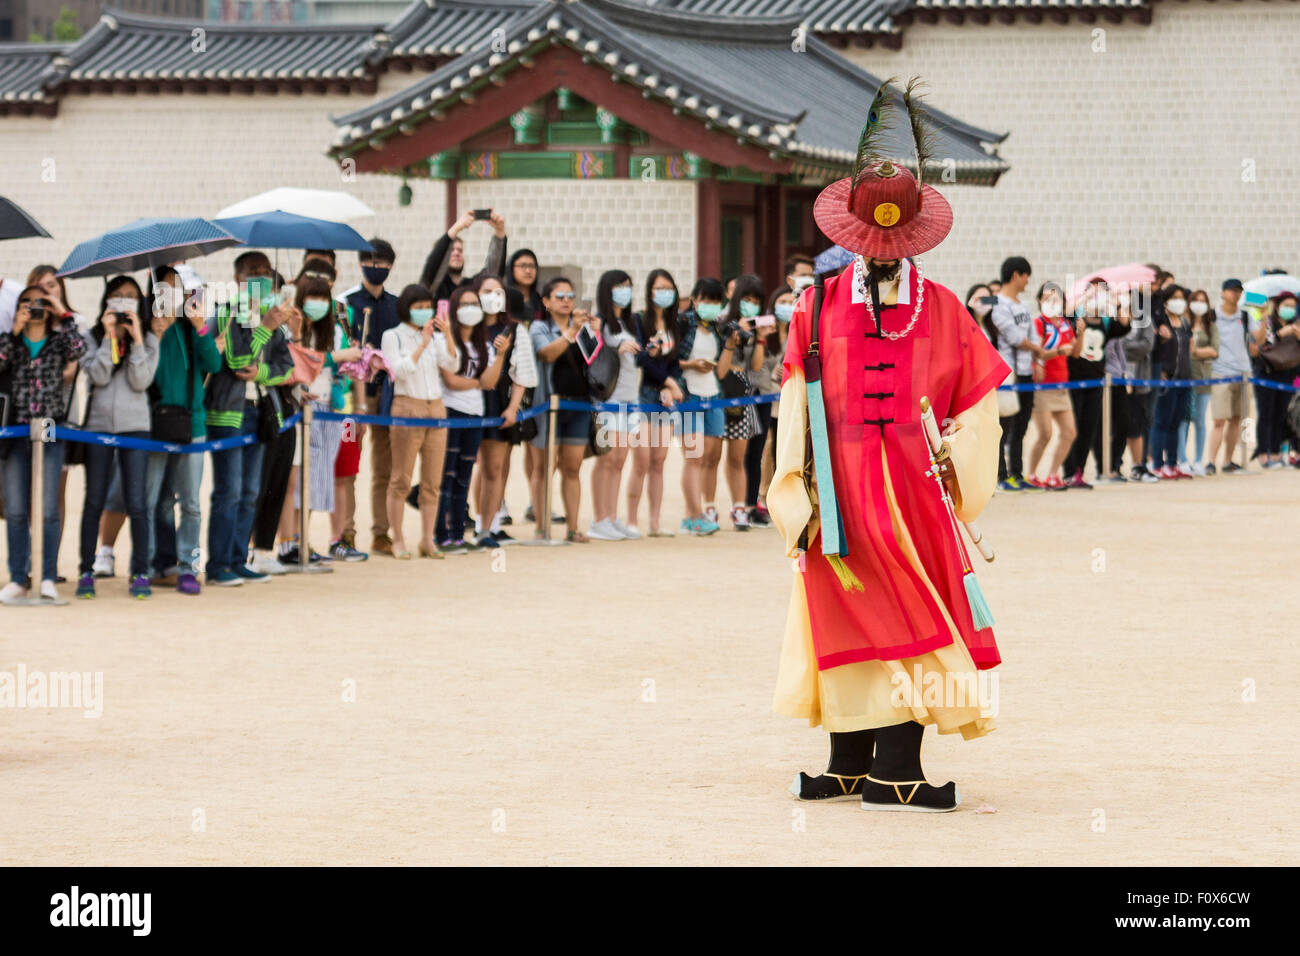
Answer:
(1198, 471)
(267, 563)
(628, 531)
(12, 593)
(48, 591)
(740, 518)
(711, 514)
(103, 566)
(604, 530)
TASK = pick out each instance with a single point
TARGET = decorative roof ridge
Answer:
(118, 18)
(704, 26)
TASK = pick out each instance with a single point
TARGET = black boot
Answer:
(897, 781)
(845, 774)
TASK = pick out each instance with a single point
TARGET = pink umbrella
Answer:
(1119, 278)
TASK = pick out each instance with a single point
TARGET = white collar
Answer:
(904, 281)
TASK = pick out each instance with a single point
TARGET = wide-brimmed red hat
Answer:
(886, 216)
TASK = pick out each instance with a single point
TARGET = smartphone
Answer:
(444, 308)
(1257, 299)
(584, 305)
(764, 321)
(482, 214)
(988, 300)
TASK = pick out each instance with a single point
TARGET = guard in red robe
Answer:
(882, 638)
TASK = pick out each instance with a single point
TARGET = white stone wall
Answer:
(1129, 152)
(595, 225)
(105, 160)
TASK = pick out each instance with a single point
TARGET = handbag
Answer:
(307, 364)
(602, 369)
(735, 385)
(268, 414)
(1008, 402)
(1281, 355)
(173, 424)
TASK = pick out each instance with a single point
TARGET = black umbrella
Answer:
(15, 223)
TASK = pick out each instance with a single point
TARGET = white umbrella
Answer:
(1269, 286)
(327, 204)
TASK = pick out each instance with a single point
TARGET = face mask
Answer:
(622, 296)
(708, 311)
(123, 304)
(469, 315)
(375, 275)
(259, 287)
(1052, 309)
(801, 282)
(494, 303)
(1286, 313)
(315, 309)
(1199, 308)
(663, 297)
(1176, 306)
(748, 309)
(421, 316)
(981, 310)
(784, 311)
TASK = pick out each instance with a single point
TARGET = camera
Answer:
(727, 328)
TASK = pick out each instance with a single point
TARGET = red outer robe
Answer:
(947, 358)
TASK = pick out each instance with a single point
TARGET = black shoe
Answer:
(1210, 469)
(503, 539)
(915, 796)
(507, 520)
(1231, 468)
(828, 787)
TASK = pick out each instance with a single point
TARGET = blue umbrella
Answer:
(836, 257)
(286, 230)
(145, 243)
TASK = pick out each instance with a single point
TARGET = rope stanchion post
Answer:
(543, 520)
(40, 430)
(304, 565)
(1247, 396)
(1105, 427)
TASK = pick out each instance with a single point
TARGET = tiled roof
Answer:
(822, 16)
(22, 66)
(449, 27)
(128, 47)
(738, 73)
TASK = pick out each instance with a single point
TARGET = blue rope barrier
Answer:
(389, 421)
(67, 433)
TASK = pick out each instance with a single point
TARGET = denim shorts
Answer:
(713, 421)
(571, 428)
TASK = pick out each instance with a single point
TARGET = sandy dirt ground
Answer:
(611, 703)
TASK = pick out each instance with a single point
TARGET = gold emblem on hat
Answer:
(886, 214)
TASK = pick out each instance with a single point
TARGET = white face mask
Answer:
(1176, 306)
(1199, 308)
(802, 282)
(494, 302)
(469, 315)
(1052, 309)
(116, 304)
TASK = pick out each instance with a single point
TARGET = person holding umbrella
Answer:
(34, 354)
(243, 329)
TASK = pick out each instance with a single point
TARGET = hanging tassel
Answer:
(848, 580)
(979, 608)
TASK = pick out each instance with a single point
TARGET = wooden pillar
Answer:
(452, 214)
(708, 229)
(770, 234)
